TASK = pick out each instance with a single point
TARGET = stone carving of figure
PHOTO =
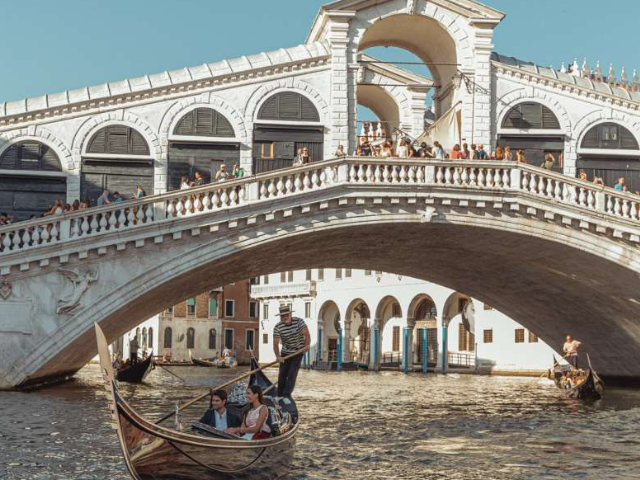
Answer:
(81, 283)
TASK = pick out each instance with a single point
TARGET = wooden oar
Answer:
(225, 385)
(170, 372)
(545, 373)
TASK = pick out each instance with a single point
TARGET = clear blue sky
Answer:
(54, 45)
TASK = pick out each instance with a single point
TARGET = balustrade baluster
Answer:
(582, 198)
(385, 174)
(420, 174)
(439, 175)
(353, 174)
(411, 174)
(306, 182)
(323, 178)
(533, 184)
(456, 176)
(85, 226)
(525, 181)
(148, 212)
(171, 209)
(591, 200)
(370, 174)
(617, 207)
(448, 177)
(272, 188)
(634, 211)
(26, 238)
(609, 204)
(549, 189)
(541, 185)
(206, 201)
(44, 235)
(7, 241)
(288, 185)
(224, 199)
(233, 197)
(315, 179)
(473, 179)
(557, 191)
(481, 177)
(496, 178)
(506, 178)
(95, 223)
(103, 221)
(215, 201)
(625, 208)
(297, 184)
(242, 195)
(395, 178)
(188, 207)
(16, 240)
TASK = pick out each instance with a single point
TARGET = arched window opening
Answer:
(426, 310)
(117, 160)
(30, 155)
(610, 136)
(531, 115)
(191, 338)
(213, 339)
(609, 151)
(138, 337)
(150, 337)
(539, 134)
(204, 122)
(22, 196)
(144, 338)
(288, 106)
(167, 337)
(206, 151)
(118, 140)
(283, 132)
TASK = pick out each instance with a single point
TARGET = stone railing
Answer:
(365, 171)
(300, 289)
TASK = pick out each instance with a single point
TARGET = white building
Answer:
(363, 306)
(147, 334)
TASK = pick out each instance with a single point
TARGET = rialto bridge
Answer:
(554, 253)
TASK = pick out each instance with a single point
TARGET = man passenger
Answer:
(218, 416)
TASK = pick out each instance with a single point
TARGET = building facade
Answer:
(373, 318)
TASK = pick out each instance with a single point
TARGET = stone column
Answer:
(417, 97)
(440, 323)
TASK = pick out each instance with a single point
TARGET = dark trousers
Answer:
(573, 360)
(287, 376)
(134, 358)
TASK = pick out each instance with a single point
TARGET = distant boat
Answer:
(589, 386)
(135, 373)
(153, 452)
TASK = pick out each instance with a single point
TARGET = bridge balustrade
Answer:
(372, 172)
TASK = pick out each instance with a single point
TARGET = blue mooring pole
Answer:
(444, 349)
(340, 350)
(319, 345)
(425, 359)
(405, 351)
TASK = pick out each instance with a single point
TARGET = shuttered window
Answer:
(213, 339)
(289, 106)
(213, 307)
(488, 336)
(531, 115)
(610, 136)
(519, 335)
(533, 338)
(118, 140)
(191, 338)
(204, 122)
(30, 155)
(167, 337)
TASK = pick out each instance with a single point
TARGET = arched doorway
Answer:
(610, 151)
(425, 314)
(329, 328)
(32, 180)
(391, 325)
(116, 158)
(201, 140)
(286, 122)
(458, 325)
(359, 335)
(535, 129)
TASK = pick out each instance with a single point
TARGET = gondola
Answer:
(591, 387)
(153, 452)
(203, 363)
(135, 373)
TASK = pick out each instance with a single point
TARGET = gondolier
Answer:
(570, 349)
(293, 334)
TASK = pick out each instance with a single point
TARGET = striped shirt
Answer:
(291, 336)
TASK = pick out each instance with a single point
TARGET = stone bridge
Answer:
(554, 253)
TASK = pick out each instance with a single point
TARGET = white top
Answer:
(184, 186)
(251, 420)
(403, 151)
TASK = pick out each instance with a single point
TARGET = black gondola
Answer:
(589, 387)
(135, 373)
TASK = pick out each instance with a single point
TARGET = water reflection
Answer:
(356, 425)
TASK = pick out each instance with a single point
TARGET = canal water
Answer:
(356, 425)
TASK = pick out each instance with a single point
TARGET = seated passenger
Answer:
(218, 416)
(254, 425)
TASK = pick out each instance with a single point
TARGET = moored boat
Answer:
(153, 452)
(578, 383)
(135, 373)
(200, 362)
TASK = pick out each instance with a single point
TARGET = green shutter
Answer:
(213, 307)
(191, 302)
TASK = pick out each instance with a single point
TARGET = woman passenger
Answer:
(254, 423)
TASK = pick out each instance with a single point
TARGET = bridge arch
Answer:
(592, 291)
